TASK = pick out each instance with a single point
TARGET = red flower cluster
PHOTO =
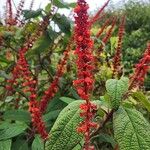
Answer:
(9, 14)
(52, 90)
(34, 109)
(33, 103)
(107, 36)
(117, 57)
(137, 79)
(84, 83)
(21, 71)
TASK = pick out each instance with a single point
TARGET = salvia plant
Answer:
(59, 88)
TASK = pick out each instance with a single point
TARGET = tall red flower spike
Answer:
(96, 16)
(9, 14)
(106, 23)
(29, 44)
(107, 36)
(19, 10)
(52, 90)
(117, 57)
(137, 79)
(85, 60)
(34, 109)
(22, 71)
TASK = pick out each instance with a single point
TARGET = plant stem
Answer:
(108, 117)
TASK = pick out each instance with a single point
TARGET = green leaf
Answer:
(73, 5)
(52, 115)
(38, 143)
(5, 145)
(131, 130)
(63, 134)
(116, 89)
(4, 75)
(142, 98)
(63, 23)
(9, 99)
(105, 138)
(67, 100)
(48, 8)
(12, 130)
(60, 4)
(18, 115)
(20, 144)
(28, 14)
(42, 44)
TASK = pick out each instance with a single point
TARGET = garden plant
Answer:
(63, 84)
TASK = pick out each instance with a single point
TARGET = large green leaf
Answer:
(42, 44)
(5, 145)
(19, 115)
(142, 98)
(28, 14)
(60, 4)
(116, 89)
(12, 130)
(63, 134)
(67, 100)
(38, 143)
(20, 144)
(131, 130)
(63, 23)
(104, 138)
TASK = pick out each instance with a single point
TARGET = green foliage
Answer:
(131, 130)
(63, 23)
(60, 4)
(20, 144)
(116, 89)
(62, 117)
(11, 130)
(28, 14)
(143, 99)
(17, 115)
(5, 145)
(63, 134)
(38, 143)
(67, 100)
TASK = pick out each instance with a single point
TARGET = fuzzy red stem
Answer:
(107, 36)
(117, 57)
(96, 16)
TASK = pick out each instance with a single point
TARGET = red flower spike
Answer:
(9, 13)
(117, 57)
(52, 90)
(85, 61)
(106, 23)
(96, 17)
(107, 36)
(137, 79)
(21, 71)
